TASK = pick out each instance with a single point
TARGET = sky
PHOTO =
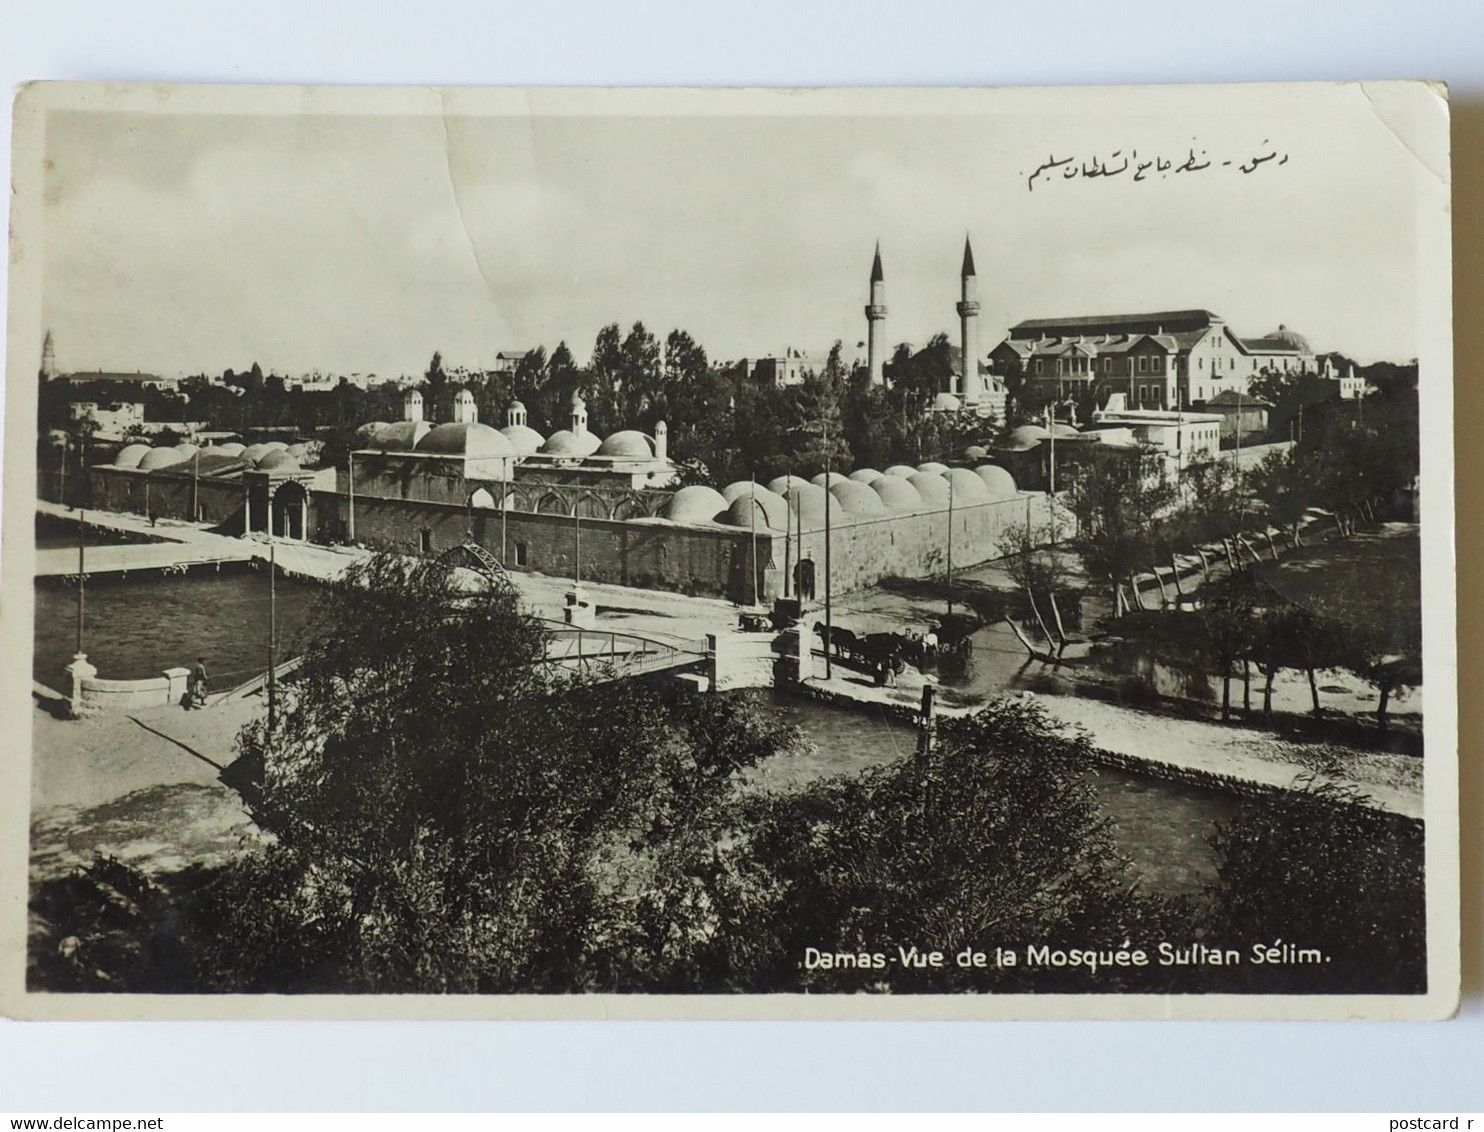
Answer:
(182, 239)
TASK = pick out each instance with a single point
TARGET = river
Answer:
(1161, 826)
(137, 627)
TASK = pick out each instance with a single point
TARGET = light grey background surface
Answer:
(164, 1067)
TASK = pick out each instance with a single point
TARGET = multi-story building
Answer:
(1162, 360)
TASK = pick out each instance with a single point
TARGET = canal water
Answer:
(56, 533)
(1161, 826)
(137, 627)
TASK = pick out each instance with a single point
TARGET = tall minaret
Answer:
(48, 357)
(968, 320)
(875, 316)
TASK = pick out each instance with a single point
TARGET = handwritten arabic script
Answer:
(1117, 163)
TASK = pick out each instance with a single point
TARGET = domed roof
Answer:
(828, 479)
(517, 405)
(1292, 338)
(902, 471)
(565, 442)
(1061, 428)
(465, 439)
(733, 491)
(932, 487)
(976, 452)
(403, 436)
(866, 475)
(897, 493)
(695, 504)
(806, 503)
(367, 432)
(765, 510)
(275, 445)
(160, 458)
(967, 487)
(1025, 437)
(254, 452)
(230, 448)
(780, 484)
(945, 401)
(523, 439)
(857, 498)
(298, 449)
(932, 466)
(628, 444)
(187, 450)
(130, 455)
(278, 462)
(1000, 483)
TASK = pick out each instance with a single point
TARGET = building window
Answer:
(425, 541)
(520, 554)
(1142, 360)
(1036, 365)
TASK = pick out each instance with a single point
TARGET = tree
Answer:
(1117, 496)
(423, 840)
(995, 834)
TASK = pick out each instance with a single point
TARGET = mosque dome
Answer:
(298, 450)
(733, 491)
(1025, 437)
(1061, 428)
(160, 458)
(976, 452)
(565, 442)
(278, 462)
(187, 450)
(465, 438)
(865, 475)
(130, 455)
(523, 439)
(946, 402)
(897, 493)
(781, 485)
(932, 466)
(695, 504)
(999, 482)
(628, 444)
(967, 487)
(806, 504)
(1292, 338)
(231, 448)
(254, 452)
(765, 510)
(857, 498)
(828, 479)
(275, 445)
(932, 487)
(403, 436)
(901, 470)
(367, 432)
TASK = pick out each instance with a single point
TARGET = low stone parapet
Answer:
(92, 694)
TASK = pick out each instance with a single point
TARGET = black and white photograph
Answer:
(850, 553)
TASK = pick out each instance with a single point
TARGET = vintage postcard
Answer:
(725, 554)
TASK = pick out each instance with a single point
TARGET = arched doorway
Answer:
(482, 498)
(290, 510)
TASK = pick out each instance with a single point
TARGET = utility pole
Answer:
(272, 632)
(1051, 487)
(577, 564)
(752, 518)
(504, 505)
(350, 487)
(950, 544)
(82, 536)
(829, 625)
(196, 486)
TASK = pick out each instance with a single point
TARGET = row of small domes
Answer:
(272, 455)
(475, 439)
(864, 495)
